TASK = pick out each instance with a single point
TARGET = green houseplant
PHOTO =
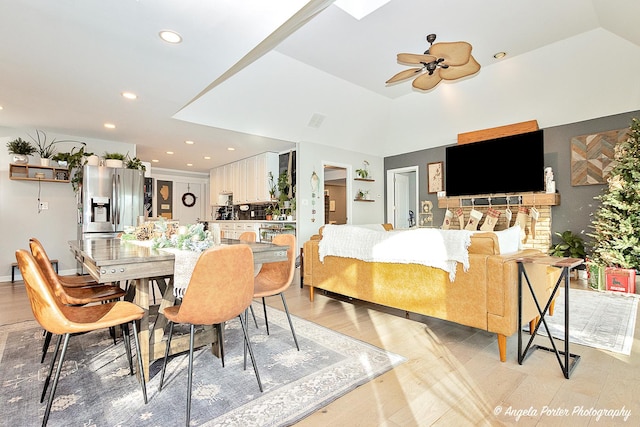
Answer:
(114, 160)
(75, 160)
(571, 246)
(134, 163)
(21, 150)
(46, 149)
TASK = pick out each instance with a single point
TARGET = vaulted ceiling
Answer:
(257, 75)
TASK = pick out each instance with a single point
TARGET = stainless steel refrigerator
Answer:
(110, 200)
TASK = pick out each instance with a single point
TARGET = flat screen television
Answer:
(510, 164)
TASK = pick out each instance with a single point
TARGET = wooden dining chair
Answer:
(275, 277)
(221, 288)
(65, 320)
(70, 295)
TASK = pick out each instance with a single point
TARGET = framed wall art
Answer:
(435, 177)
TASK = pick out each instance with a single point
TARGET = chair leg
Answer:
(55, 380)
(286, 310)
(166, 355)
(189, 379)
(45, 345)
(140, 368)
(127, 345)
(266, 321)
(253, 314)
(53, 362)
(248, 345)
(220, 341)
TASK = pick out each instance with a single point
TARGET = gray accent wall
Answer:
(577, 204)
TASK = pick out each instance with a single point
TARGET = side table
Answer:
(565, 264)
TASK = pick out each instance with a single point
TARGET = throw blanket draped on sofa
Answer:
(426, 246)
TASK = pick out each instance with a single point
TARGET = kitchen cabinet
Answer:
(247, 179)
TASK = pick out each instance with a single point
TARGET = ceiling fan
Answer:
(442, 61)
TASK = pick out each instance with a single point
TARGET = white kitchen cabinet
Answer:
(265, 163)
(240, 182)
(250, 180)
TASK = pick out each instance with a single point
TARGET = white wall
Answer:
(19, 217)
(311, 157)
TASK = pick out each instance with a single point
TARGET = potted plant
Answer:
(114, 160)
(269, 211)
(272, 186)
(571, 246)
(21, 150)
(46, 149)
(74, 161)
(364, 172)
(134, 163)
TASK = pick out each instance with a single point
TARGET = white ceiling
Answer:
(251, 74)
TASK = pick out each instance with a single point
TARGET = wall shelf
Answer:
(364, 179)
(363, 200)
(38, 173)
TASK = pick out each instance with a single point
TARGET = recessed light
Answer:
(231, 149)
(109, 125)
(155, 160)
(129, 95)
(500, 55)
(170, 36)
(169, 152)
(0, 107)
(189, 164)
(207, 157)
(189, 142)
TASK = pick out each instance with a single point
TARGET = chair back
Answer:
(46, 308)
(281, 273)
(221, 286)
(40, 255)
(248, 236)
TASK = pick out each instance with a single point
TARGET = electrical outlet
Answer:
(44, 206)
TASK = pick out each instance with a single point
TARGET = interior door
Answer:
(401, 212)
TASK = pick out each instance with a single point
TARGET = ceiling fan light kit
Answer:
(442, 61)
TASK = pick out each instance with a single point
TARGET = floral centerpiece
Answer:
(189, 238)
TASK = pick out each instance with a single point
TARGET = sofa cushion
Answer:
(509, 240)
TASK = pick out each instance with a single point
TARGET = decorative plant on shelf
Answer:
(135, 163)
(114, 156)
(20, 149)
(572, 246)
(283, 191)
(76, 159)
(364, 172)
(272, 186)
(362, 195)
(46, 149)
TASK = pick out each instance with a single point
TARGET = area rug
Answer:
(604, 320)
(95, 387)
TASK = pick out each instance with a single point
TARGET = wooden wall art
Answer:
(592, 156)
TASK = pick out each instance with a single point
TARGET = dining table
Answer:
(138, 265)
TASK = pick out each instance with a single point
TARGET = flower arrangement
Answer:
(194, 238)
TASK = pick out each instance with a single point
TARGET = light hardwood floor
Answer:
(452, 376)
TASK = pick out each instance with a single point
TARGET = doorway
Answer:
(402, 197)
(336, 191)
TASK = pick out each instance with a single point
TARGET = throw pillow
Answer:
(509, 239)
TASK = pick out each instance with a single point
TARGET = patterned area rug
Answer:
(604, 320)
(95, 387)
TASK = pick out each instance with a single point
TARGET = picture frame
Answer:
(435, 177)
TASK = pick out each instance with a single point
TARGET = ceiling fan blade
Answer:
(414, 58)
(454, 53)
(427, 81)
(403, 75)
(453, 73)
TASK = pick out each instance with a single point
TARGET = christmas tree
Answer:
(616, 223)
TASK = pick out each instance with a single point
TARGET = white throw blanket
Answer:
(426, 246)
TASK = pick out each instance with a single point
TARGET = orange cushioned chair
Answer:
(248, 236)
(221, 288)
(275, 277)
(70, 295)
(67, 281)
(65, 320)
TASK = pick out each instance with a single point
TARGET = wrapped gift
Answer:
(596, 276)
(621, 279)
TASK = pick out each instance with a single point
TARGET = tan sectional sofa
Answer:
(484, 297)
